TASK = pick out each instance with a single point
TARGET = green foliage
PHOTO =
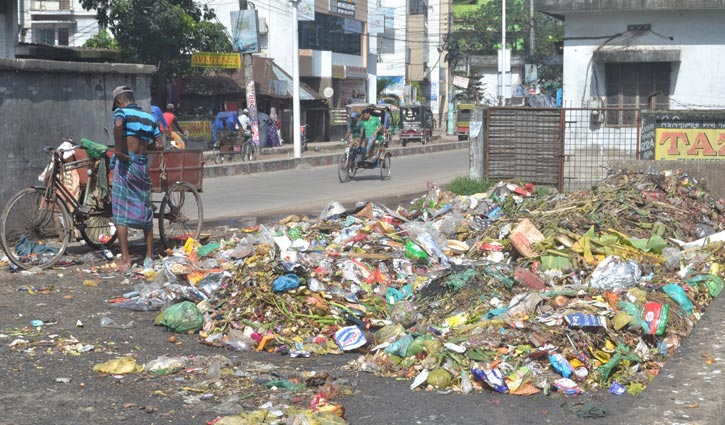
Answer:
(468, 186)
(479, 31)
(161, 32)
(102, 40)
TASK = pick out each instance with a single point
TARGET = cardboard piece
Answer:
(523, 236)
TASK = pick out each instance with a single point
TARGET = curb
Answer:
(316, 160)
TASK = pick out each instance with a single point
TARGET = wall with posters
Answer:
(683, 135)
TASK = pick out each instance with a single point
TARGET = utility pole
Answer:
(296, 82)
(247, 64)
(532, 38)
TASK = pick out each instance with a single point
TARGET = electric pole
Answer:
(247, 64)
(296, 83)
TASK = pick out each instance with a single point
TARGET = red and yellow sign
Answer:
(689, 144)
(216, 60)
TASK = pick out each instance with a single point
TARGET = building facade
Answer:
(662, 54)
(55, 22)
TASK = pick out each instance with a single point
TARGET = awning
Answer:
(273, 81)
(636, 55)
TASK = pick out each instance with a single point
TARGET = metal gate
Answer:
(565, 148)
(525, 144)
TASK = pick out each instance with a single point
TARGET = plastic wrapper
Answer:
(400, 347)
(492, 377)
(164, 365)
(561, 364)
(615, 274)
(285, 283)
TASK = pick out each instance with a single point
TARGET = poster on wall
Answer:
(352, 91)
(690, 144)
(244, 31)
(252, 108)
(306, 10)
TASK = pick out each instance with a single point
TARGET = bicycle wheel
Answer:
(385, 167)
(180, 215)
(249, 152)
(98, 231)
(34, 232)
(343, 169)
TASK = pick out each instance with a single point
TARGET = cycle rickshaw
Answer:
(39, 222)
(351, 161)
(229, 140)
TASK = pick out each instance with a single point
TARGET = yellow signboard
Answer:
(690, 144)
(198, 130)
(216, 60)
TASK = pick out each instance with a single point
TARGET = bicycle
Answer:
(352, 160)
(37, 222)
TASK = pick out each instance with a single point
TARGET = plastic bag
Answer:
(182, 317)
(164, 365)
(614, 274)
(400, 347)
(286, 282)
(678, 294)
(414, 252)
(713, 283)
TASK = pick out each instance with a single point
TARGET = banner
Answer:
(690, 144)
(252, 108)
(245, 38)
(216, 60)
(306, 10)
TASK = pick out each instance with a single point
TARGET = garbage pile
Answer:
(502, 290)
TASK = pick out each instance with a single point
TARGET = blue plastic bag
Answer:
(678, 295)
(561, 364)
(286, 282)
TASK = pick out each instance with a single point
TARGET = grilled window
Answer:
(634, 86)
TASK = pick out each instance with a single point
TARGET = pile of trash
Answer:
(502, 290)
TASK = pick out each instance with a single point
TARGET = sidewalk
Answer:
(318, 154)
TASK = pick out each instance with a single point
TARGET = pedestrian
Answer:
(372, 130)
(134, 132)
(277, 124)
(173, 123)
(158, 114)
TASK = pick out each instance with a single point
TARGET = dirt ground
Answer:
(48, 375)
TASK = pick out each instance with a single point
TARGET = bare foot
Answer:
(122, 267)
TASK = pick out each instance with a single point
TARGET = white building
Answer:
(660, 53)
(56, 22)
(8, 28)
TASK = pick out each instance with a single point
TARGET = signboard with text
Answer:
(199, 130)
(216, 60)
(245, 37)
(690, 144)
(343, 7)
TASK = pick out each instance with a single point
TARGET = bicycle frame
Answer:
(56, 188)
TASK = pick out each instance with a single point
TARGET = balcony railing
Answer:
(50, 6)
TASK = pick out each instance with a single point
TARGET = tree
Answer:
(161, 32)
(102, 40)
(479, 32)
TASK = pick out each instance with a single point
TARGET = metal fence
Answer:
(595, 137)
(568, 149)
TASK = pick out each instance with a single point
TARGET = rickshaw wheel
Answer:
(344, 168)
(98, 231)
(385, 167)
(180, 215)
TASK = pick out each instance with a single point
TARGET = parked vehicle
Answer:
(463, 120)
(416, 124)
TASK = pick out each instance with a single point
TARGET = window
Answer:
(636, 85)
(336, 34)
(45, 36)
(63, 36)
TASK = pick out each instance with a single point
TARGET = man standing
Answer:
(133, 133)
(372, 129)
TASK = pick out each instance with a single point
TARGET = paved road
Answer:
(307, 190)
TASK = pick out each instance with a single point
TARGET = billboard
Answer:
(216, 60)
(245, 37)
(306, 10)
(690, 144)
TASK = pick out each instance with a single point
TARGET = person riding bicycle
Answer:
(353, 127)
(372, 130)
